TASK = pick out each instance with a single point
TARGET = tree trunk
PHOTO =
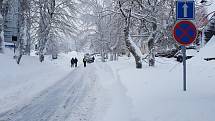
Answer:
(43, 33)
(1, 35)
(111, 56)
(135, 51)
(28, 25)
(1, 28)
(115, 57)
(21, 32)
(132, 49)
(151, 50)
(151, 42)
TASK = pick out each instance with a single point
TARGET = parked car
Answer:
(168, 53)
(89, 58)
(190, 52)
(179, 57)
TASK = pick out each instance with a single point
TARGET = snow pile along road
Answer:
(205, 52)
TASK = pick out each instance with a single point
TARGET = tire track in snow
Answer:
(57, 102)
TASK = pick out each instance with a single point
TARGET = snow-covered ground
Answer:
(156, 94)
(20, 83)
(110, 91)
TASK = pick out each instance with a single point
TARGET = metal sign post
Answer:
(184, 68)
(184, 31)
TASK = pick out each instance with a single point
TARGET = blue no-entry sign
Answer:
(185, 32)
(185, 10)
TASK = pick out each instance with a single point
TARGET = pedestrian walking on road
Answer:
(85, 62)
(93, 58)
(72, 62)
(76, 62)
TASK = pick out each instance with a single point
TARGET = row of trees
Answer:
(3, 10)
(125, 25)
(105, 26)
(45, 23)
(118, 26)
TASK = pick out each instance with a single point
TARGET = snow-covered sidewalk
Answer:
(156, 94)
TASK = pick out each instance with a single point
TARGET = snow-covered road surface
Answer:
(117, 91)
(59, 101)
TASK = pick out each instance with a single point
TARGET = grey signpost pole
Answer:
(184, 68)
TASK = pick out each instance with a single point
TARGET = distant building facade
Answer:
(11, 21)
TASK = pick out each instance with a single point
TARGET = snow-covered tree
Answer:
(101, 30)
(23, 31)
(3, 12)
(1, 34)
(53, 21)
(210, 29)
(148, 21)
(126, 9)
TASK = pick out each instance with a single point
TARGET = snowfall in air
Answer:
(107, 60)
(111, 91)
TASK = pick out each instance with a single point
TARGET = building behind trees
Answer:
(11, 21)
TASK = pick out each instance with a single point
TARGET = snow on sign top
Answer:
(185, 10)
(184, 32)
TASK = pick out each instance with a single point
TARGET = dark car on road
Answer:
(168, 54)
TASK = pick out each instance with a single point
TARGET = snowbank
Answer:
(206, 52)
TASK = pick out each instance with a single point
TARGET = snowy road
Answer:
(93, 93)
(59, 101)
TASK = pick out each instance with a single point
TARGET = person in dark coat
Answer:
(93, 58)
(76, 62)
(72, 62)
(85, 62)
